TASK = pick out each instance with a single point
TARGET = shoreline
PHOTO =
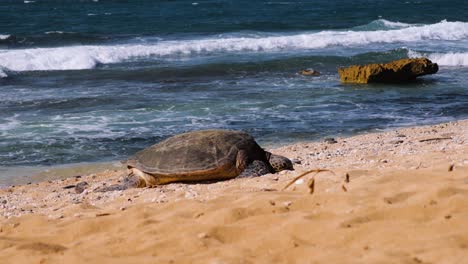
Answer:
(411, 181)
(21, 175)
(30, 174)
(318, 154)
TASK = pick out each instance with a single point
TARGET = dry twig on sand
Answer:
(432, 139)
(311, 182)
(343, 187)
(311, 185)
(451, 167)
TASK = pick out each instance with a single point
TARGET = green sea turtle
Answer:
(200, 156)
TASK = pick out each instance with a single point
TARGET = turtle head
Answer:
(279, 163)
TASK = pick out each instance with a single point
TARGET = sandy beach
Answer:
(393, 197)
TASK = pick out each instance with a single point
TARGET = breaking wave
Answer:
(3, 74)
(383, 24)
(444, 59)
(88, 56)
(392, 24)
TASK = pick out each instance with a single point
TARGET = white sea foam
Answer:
(4, 36)
(392, 24)
(3, 74)
(450, 59)
(64, 58)
(54, 32)
(87, 57)
(10, 123)
(444, 59)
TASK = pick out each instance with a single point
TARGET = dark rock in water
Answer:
(403, 70)
(309, 72)
(80, 187)
(330, 140)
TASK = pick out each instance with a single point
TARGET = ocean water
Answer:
(96, 81)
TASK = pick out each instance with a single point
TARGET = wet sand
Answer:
(394, 197)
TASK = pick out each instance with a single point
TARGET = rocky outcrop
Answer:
(403, 70)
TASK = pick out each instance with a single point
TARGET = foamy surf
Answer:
(3, 74)
(87, 57)
(54, 32)
(444, 59)
(4, 36)
(383, 24)
(392, 24)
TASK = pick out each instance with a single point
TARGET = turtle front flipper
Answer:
(242, 160)
(255, 168)
(280, 163)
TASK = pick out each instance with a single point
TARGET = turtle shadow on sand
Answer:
(200, 156)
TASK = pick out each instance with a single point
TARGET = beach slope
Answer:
(393, 197)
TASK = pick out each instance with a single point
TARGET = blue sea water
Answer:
(94, 81)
